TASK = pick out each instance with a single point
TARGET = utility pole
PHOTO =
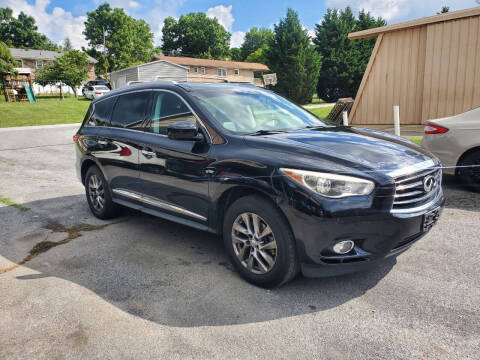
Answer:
(104, 54)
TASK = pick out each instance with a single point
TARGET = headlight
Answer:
(330, 185)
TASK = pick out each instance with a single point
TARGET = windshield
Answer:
(249, 110)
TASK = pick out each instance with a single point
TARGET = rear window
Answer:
(130, 110)
(102, 111)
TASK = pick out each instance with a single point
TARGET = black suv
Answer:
(94, 83)
(288, 191)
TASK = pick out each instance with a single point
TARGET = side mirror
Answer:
(183, 130)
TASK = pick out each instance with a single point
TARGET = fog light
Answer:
(343, 247)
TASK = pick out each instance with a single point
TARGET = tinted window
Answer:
(130, 110)
(102, 111)
(167, 109)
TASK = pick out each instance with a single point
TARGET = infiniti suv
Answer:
(287, 191)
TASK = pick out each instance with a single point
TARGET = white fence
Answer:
(53, 89)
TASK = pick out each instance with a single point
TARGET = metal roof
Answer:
(40, 55)
(227, 64)
(417, 22)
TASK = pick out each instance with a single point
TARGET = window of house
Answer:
(203, 70)
(195, 69)
(236, 72)
(39, 63)
(168, 109)
(222, 72)
(130, 110)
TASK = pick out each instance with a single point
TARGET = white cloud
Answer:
(223, 15)
(237, 39)
(57, 25)
(310, 32)
(133, 4)
(399, 10)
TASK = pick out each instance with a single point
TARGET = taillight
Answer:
(98, 93)
(75, 138)
(434, 129)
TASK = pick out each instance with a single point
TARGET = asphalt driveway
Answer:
(139, 287)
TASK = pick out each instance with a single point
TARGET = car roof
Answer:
(171, 85)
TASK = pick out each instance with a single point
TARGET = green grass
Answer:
(315, 101)
(416, 139)
(48, 110)
(9, 202)
(321, 112)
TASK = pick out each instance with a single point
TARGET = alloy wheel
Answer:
(254, 243)
(96, 192)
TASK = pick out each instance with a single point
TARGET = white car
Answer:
(94, 92)
(455, 140)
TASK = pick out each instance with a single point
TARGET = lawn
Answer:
(47, 110)
(315, 101)
(416, 139)
(321, 112)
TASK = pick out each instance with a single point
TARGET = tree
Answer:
(444, 9)
(255, 39)
(22, 32)
(128, 41)
(49, 74)
(67, 44)
(236, 54)
(195, 35)
(7, 66)
(70, 69)
(295, 60)
(344, 61)
(258, 55)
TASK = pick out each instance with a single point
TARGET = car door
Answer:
(174, 173)
(120, 144)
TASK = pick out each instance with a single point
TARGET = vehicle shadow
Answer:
(158, 270)
(458, 196)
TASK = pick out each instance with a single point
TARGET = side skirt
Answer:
(164, 215)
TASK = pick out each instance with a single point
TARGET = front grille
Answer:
(411, 191)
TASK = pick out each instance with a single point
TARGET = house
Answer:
(429, 67)
(30, 60)
(189, 69)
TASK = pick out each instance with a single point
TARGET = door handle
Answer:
(148, 153)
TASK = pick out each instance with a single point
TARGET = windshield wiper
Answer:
(265, 132)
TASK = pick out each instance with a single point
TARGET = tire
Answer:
(252, 251)
(470, 176)
(98, 194)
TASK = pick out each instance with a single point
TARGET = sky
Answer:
(59, 19)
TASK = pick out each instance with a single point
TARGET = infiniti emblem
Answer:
(428, 183)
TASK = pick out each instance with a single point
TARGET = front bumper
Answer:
(376, 236)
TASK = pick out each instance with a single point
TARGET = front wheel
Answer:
(98, 195)
(259, 242)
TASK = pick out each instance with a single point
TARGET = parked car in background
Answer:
(455, 140)
(288, 191)
(94, 83)
(94, 92)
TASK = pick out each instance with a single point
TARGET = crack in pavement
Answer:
(43, 246)
(34, 147)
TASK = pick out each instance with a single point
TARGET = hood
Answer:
(358, 148)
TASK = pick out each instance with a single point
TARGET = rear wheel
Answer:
(98, 194)
(470, 170)
(259, 242)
